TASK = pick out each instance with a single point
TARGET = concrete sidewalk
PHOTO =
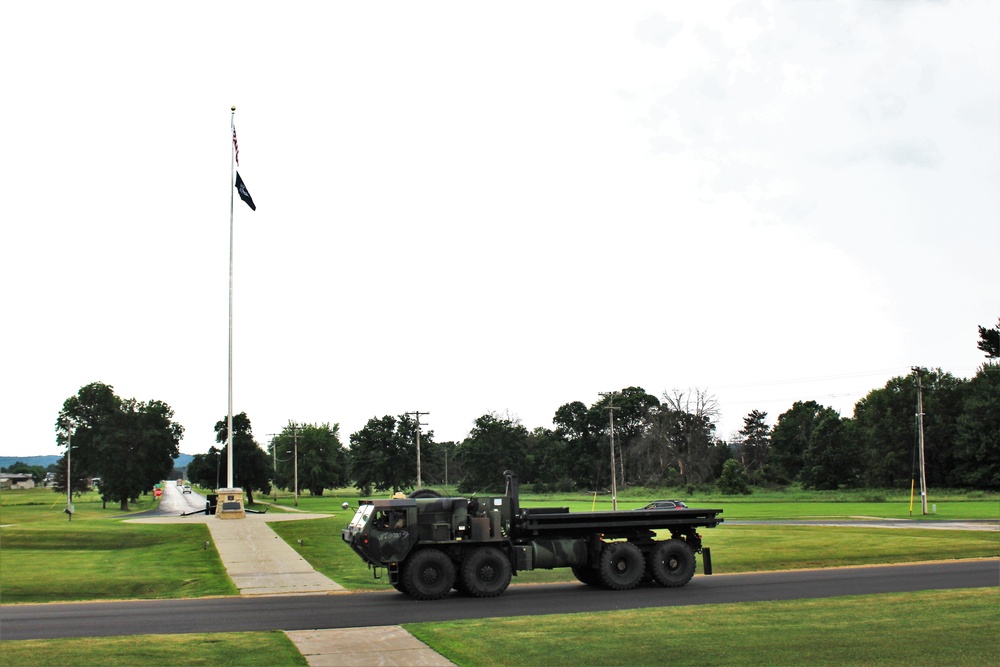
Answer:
(256, 559)
(261, 563)
(361, 647)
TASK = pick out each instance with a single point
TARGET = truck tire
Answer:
(671, 563)
(424, 493)
(486, 572)
(428, 574)
(587, 575)
(622, 566)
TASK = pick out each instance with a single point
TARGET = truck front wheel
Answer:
(587, 575)
(622, 566)
(672, 563)
(486, 572)
(428, 574)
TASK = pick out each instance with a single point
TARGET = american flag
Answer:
(236, 147)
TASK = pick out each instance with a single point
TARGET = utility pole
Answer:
(611, 432)
(295, 455)
(416, 414)
(920, 426)
(69, 477)
(274, 465)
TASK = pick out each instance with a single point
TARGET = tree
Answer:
(322, 459)
(583, 458)
(251, 466)
(130, 444)
(733, 479)
(495, 444)
(790, 437)
(383, 454)
(887, 434)
(632, 407)
(977, 441)
(681, 437)
(437, 461)
(989, 341)
(754, 445)
(548, 454)
(830, 460)
(81, 480)
(206, 470)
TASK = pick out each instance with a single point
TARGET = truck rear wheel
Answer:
(428, 574)
(672, 563)
(622, 566)
(486, 572)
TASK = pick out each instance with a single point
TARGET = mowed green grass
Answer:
(954, 627)
(100, 560)
(938, 627)
(954, 506)
(734, 548)
(748, 548)
(44, 557)
(223, 649)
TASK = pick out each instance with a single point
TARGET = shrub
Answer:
(733, 480)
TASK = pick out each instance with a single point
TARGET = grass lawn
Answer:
(956, 627)
(221, 649)
(96, 556)
(734, 549)
(109, 560)
(100, 557)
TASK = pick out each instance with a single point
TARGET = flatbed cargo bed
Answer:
(539, 522)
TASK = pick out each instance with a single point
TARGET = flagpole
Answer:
(229, 415)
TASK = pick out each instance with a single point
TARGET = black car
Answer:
(664, 505)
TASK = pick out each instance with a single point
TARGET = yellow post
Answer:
(911, 497)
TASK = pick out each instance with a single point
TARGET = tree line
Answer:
(669, 440)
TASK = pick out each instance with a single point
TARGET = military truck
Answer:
(429, 545)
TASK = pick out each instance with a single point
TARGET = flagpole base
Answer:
(230, 504)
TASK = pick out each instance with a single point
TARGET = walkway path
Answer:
(261, 563)
(256, 559)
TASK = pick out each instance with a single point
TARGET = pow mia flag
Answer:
(244, 193)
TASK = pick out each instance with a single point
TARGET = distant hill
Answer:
(46, 461)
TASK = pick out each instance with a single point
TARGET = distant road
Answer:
(390, 608)
(174, 502)
(872, 522)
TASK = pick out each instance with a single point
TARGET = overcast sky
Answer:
(466, 208)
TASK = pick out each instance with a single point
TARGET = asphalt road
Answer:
(175, 502)
(390, 608)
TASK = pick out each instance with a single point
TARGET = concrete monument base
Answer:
(230, 504)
